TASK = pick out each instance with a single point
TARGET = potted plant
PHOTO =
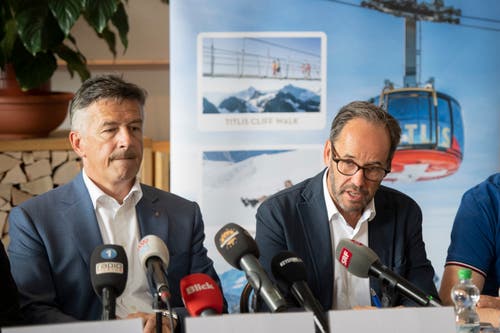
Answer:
(33, 35)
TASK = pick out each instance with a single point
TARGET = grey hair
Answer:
(372, 114)
(102, 87)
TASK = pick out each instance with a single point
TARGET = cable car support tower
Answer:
(432, 140)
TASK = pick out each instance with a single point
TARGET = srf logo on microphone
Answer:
(345, 257)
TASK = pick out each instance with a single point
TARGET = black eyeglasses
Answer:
(348, 167)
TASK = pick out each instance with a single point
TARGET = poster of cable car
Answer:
(433, 65)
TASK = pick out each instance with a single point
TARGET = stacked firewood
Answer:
(29, 173)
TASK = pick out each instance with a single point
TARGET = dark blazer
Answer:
(295, 219)
(53, 236)
(9, 299)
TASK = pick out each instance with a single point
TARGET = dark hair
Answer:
(103, 87)
(371, 113)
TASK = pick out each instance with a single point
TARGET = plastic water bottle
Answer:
(465, 296)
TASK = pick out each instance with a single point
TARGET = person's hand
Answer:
(364, 307)
(149, 322)
(486, 301)
(489, 315)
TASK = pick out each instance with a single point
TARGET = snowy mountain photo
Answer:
(290, 98)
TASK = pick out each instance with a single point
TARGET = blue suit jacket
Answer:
(296, 220)
(53, 236)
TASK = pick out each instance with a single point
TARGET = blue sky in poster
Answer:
(364, 47)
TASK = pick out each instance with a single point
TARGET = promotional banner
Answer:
(255, 86)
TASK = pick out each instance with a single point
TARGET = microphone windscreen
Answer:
(109, 268)
(288, 267)
(153, 246)
(200, 292)
(233, 242)
(356, 257)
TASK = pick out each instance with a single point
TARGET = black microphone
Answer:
(240, 250)
(108, 274)
(153, 254)
(290, 270)
(361, 261)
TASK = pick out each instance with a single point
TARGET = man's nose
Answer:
(124, 137)
(358, 178)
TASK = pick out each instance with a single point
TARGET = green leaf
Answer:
(75, 61)
(8, 39)
(110, 38)
(67, 12)
(33, 71)
(99, 12)
(36, 26)
(120, 21)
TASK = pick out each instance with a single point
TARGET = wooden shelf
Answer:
(57, 141)
(102, 64)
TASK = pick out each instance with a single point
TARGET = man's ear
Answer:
(327, 151)
(75, 138)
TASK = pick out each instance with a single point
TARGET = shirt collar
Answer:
(97, 195)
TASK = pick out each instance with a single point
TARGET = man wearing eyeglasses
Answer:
(346, 200)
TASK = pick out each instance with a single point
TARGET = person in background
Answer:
(9, 301)
(475, 244)
(54, 234)
(347, 200)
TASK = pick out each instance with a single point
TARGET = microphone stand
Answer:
(160, 304)
(158, 308)
(108, 304)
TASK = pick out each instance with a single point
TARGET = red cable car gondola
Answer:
(432, 137)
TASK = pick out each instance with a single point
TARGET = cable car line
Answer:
(420, 16)
(480, 18)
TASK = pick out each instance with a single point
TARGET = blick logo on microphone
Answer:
(345, 257)
(199, 287)
(109, 267)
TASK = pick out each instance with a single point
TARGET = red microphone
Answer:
(201, 295)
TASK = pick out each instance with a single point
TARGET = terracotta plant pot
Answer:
(30, 114)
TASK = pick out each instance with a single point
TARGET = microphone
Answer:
(363, 262)
(153, 255)
(108, 274)
(240, 250)
(290, 270)
(201, 295)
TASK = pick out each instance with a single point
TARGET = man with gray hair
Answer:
(53, 235)
(347, 200)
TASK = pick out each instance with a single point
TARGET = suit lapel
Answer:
(149, 215)
(79, 211)
(381, 235)
(381, 232)
(314, 219)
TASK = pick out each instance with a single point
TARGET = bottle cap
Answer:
(464, 274)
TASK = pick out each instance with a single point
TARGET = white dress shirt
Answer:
(118, 225)
(348, 290)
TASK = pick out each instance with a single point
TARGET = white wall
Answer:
(148, 42)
